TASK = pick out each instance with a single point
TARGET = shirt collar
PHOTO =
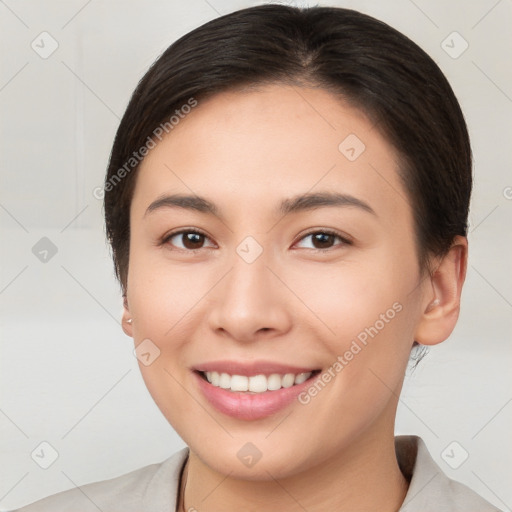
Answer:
(429, 487)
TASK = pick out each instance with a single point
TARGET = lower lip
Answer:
(249, 406)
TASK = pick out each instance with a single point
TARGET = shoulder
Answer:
(149, 488)
(430, 488)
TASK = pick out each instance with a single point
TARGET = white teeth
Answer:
(256, 383)
(274, 382)
(239, 383)
(301, 377)
(215, 378)
(224, 380)
(288, 380)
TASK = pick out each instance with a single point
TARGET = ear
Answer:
(441, 306)
(126, 321)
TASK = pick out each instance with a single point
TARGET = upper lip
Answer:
(251, 368)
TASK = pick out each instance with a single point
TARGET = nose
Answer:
(250, 302)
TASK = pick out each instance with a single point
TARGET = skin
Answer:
(246, 151)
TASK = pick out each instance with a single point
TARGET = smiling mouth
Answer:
(255, 384)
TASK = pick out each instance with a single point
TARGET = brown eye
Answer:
(187, 239)
(192, 240)
(324, 240)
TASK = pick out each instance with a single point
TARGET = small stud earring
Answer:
(129, 321)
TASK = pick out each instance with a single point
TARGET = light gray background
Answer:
(68, 374)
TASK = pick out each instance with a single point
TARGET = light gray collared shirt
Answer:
(154, 488)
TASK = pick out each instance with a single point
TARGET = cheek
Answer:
(353, 296)
(368, 313)
(162, 293)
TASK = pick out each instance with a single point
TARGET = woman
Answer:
(287, 201)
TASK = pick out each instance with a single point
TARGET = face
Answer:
(324, 288)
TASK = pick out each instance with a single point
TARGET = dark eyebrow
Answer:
(197, 203)
(301, 202)
(320, 199)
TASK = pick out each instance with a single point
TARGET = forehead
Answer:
(253, 148)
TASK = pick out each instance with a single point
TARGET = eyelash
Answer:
(344, 240)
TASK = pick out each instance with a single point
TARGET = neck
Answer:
(364, 476)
